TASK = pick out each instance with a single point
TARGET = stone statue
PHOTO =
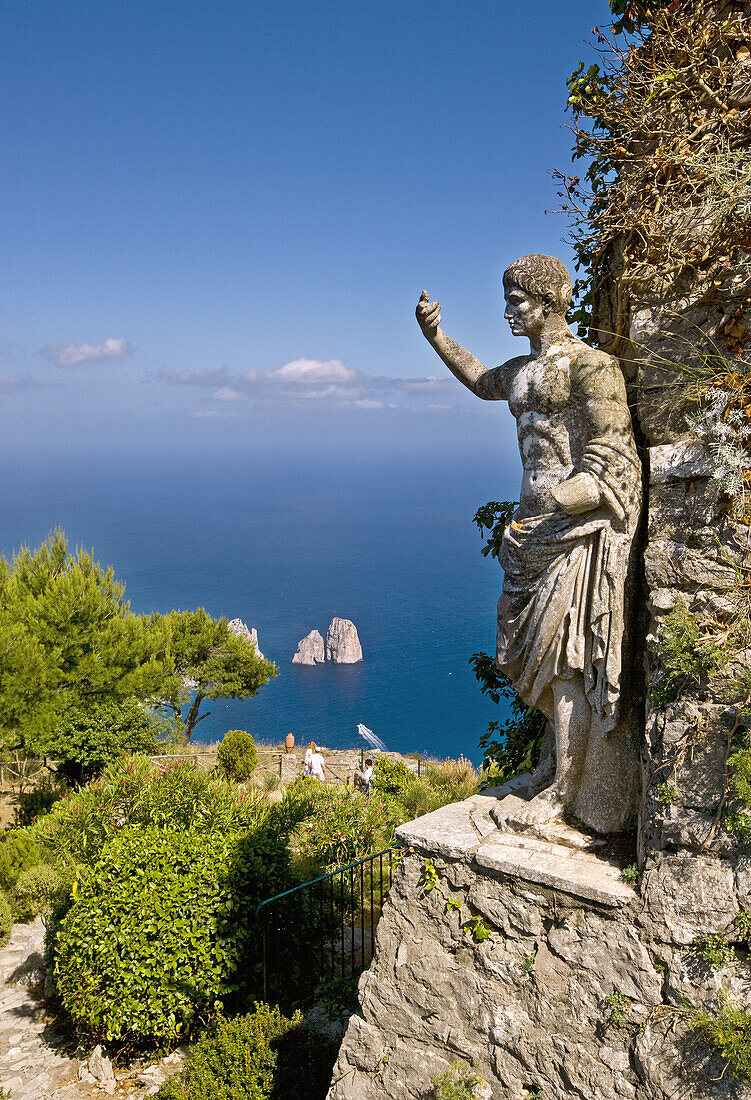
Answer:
(565, 555)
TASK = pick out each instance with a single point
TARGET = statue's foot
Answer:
(515, 813)
(542, 817)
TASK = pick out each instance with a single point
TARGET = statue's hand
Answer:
(428, 316)
(579, 494)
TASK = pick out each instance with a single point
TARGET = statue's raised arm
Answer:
(462, 363)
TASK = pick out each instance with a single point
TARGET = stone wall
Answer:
(577, 990)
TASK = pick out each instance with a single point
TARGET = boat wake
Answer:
(370, 738)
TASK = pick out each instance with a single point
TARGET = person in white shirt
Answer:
(318, 765)
(309, 758)
(367, 775)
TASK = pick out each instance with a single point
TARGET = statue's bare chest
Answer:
(541, 386)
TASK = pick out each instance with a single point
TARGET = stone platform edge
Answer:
(466, 831)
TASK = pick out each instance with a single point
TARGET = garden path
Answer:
(38, 1059)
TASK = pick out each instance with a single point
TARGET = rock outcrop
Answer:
(538, 964)
(237, 626)
(310, 650)
(342, 643)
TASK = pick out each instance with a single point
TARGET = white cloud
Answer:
(226, 393)
(311, 371)
(73, 355)
(210, 414)
(328, 382)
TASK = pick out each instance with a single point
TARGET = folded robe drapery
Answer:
(561, 608)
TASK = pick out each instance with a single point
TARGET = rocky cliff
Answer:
(342, 642)
(310, 650)
(538, 964)
(237, 626)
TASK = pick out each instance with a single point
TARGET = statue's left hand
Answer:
(579, 494)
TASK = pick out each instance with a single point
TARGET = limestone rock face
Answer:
(310, 650)
(532, 1002)
(342, 643)
(237, 626)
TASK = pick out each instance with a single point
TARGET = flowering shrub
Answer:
(345, 826)
(133, 792)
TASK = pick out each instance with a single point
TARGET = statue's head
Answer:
(535, 286)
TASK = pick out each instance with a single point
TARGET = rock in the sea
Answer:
(342, 643)
(310, 650)
(237, 626)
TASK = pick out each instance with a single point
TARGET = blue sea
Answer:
(286, 543)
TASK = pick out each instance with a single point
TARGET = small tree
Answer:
(209, 659)
(87, 739)
(68, 641)
(237, 755)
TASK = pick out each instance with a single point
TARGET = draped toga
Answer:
(562, 605)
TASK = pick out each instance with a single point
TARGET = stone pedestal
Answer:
(568, 984)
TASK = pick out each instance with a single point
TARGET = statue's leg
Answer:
(573, 724)
(608, 794)
(572, 718)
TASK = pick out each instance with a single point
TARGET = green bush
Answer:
(715, 950)
(345, 826)
(132, 791)
(255, 1057)
(301, 798)
(390, 777)
(35, 892)
(6, 920)
(687, 657)
(237, 755)
(18, 851)
(163, 928)
(236, 1061)
(89, 737)
(458, 1082)
(728, 1030)
(39, 800)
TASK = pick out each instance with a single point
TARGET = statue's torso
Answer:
(550, 436)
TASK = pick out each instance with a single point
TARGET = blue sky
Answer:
(219, 216)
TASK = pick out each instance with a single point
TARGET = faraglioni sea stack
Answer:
(310, 650)
(342, 645)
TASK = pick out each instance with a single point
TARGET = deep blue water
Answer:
(286, 544)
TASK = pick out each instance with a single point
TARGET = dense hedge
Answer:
(160, 931)
(260, 1056)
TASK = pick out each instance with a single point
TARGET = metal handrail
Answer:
(323, 878)
(340, 901)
